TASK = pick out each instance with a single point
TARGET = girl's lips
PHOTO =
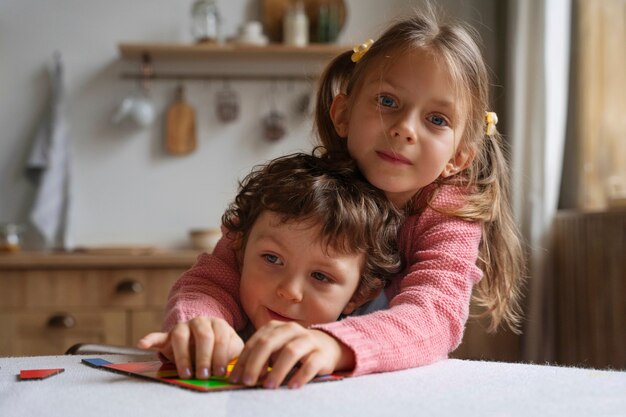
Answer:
(394, 158)
(275, 316)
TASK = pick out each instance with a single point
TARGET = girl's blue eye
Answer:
(318, 276)
(273, 259)
(438, 120)
(386, 101)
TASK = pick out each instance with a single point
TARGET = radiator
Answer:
(590, 289)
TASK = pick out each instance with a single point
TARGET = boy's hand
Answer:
(289, 344)
(208, 342)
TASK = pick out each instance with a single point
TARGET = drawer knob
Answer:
(61, 321)
(129, 286)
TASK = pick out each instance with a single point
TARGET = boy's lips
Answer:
(394, 158)
(276, 316)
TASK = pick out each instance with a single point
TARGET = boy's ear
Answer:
(462, 159)
(339, 114)
(360, 297)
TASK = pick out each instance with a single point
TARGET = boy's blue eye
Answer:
(273, 259)
(320, 277)
(438, 120)
(386, 101)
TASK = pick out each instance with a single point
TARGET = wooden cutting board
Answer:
(180, 130)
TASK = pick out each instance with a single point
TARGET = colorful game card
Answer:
(166, 373)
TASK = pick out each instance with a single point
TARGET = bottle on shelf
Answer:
(296, 26)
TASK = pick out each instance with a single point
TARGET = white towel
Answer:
(50, 158)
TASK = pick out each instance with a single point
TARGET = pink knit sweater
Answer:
(429, 301)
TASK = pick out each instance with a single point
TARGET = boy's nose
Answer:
(290, 289)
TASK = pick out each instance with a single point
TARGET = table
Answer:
(446, 388)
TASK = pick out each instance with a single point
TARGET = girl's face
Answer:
(403, 125)
(288, 274)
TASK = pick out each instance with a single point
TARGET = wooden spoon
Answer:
(180, 125)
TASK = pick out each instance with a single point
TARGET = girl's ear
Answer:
(361, 297)
(460, 161)
(339, 114)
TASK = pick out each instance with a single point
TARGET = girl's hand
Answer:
(208, 342)
(289, 344)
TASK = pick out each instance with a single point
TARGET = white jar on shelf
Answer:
(296, 26)
(205, 21)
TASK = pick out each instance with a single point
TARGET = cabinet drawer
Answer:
(52, 332)
(87, 288)
(12, 293)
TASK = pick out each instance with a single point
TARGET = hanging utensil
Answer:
(274, 123)
(180, 125)
(227, 104)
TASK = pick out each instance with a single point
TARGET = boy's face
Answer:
(289, 275)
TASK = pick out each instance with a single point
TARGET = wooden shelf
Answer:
(231, 53)
(174, 51)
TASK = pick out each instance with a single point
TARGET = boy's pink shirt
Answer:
(429, 301)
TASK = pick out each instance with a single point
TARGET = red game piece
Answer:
(26, 374)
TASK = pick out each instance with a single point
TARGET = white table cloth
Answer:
(447, 388)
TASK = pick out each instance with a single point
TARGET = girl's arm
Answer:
(210, 288)
(430, 304)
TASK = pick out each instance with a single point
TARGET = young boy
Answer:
(314, 241)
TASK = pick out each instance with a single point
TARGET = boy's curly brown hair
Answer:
(329, 192)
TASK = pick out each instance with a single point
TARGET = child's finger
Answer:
(237, 372)
(179, 337)
(204, 340)
(287, 358)
(223, 352)
(154, 340)
(309, 369)
(248, 352)
(259, 349)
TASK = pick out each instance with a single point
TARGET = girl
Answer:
(411, 110)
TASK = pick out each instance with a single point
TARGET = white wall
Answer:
(126, 189)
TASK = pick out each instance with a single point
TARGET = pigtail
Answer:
(333, 81)
(501, 254)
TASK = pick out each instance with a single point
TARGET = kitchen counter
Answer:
(131, 257)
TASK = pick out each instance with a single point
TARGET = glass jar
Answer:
(205, 21)
(10, 237)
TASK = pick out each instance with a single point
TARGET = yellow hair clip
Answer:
(361, 49)
(491, 118)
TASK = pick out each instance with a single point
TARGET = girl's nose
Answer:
(290, 290)
(405, 128)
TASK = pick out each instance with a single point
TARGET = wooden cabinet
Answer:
(49, 302)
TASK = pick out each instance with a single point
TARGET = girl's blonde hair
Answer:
(487, 178)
